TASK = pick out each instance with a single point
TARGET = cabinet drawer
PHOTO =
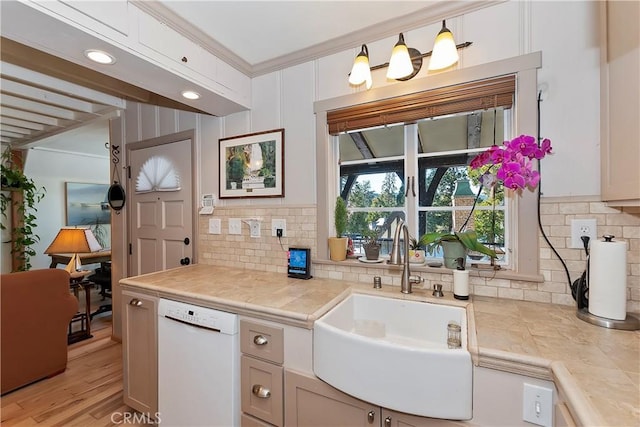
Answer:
(262, 390)
(249, 421)
(263, 341)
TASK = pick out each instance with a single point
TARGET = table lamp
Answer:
(74, 241)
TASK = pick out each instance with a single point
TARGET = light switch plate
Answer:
(537, 405)
(215, 226)
(235, 226)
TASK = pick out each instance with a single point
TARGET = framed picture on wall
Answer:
(87, 204)
(252, 165)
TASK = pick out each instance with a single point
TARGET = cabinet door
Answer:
(620, 102)
(261, 389)
(398, 419)
(140, 352)
(311, 402)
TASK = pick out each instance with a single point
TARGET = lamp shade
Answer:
(445, 52)
(361, 72)
(400, 63)
(74, 240)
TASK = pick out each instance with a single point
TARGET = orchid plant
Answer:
(512, 163)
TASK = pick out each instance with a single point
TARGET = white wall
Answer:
(52, 169)
(566, 33)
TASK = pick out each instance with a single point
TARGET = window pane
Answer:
(362, 222)
(372, 143)
(462, 131)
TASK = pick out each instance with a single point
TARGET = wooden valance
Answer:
(470, 96)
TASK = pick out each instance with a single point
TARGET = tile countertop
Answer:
(598, 369)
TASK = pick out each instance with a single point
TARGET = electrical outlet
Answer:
(537, 405)
(235, 226)
(254, 228)
(582, 227)
(278, 224)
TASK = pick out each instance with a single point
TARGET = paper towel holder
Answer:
(630, 323)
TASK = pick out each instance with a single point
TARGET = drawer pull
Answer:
(261, 392)
(371, 417)
(260, 340)
(135, 302)
(387, 422)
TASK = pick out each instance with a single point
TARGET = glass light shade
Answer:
(361, 72)
(400, 63)
(445, 53)
(73, 241)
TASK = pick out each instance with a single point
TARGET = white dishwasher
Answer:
(198, 366)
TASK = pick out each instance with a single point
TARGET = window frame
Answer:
(525, 238)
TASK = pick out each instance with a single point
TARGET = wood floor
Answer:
(88, 393)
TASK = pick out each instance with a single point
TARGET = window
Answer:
(441, 195)
(358, 111)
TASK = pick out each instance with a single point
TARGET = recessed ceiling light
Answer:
(189, 94)
(99, 56)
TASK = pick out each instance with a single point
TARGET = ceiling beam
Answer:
(34, 59)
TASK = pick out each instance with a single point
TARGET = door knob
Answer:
(186, 241)
(185, 261)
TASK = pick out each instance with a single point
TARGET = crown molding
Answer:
(434, 12)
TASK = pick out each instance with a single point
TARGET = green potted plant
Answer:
(20, 195)
(371, 245)
(455, 245)
(338, 244)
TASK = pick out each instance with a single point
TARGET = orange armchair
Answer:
(35, 310)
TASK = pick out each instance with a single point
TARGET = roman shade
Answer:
(470, 96)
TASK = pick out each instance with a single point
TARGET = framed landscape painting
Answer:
(87, 203)
(252, 165)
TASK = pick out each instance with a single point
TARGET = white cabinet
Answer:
(140, 351)
(620, 102)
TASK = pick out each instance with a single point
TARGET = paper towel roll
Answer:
(608, 279)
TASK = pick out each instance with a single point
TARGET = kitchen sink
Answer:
(394, 353)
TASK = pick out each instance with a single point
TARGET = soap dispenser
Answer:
(460, 281)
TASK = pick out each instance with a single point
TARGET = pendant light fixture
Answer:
(444, 53)
(361, 72)
(400, 63)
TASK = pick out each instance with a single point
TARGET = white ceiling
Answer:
(254, 36)
(262, 31)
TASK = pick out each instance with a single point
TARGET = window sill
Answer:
(484, 272)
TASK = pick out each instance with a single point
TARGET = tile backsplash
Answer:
(267, 253)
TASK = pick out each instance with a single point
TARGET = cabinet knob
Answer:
(261, 391)
(135, 302)
(371, 417)
(260, 340)
(387, 422)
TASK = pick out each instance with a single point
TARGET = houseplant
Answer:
(338, 244)
(510, 164)
(416, 250)
(455, 245)
(371, 245)
(20, 195)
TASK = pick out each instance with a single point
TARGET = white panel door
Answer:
(161, 221)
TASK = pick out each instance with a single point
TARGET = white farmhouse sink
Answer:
(393, 353)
